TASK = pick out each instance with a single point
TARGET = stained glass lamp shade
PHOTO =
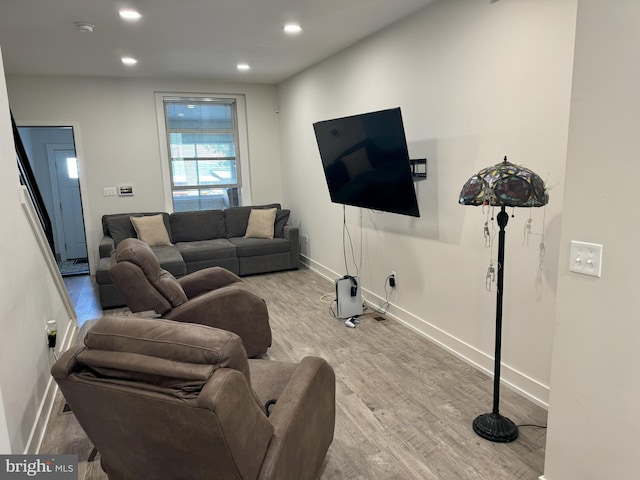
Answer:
(503, 185)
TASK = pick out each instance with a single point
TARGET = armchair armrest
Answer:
(304, 421)
(206, 280)
(67, 363)
(230, 308)
(247, 429)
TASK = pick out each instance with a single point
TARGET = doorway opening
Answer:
(52, 155)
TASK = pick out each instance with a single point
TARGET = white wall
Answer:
(594, 424)
(475, 81)
(117, 136)
(28, 299)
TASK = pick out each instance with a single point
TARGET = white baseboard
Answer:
(40, 425)
(512, 378)
(319, 268)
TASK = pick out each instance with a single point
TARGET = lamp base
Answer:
(495, 427)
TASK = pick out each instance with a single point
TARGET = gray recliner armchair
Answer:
(167, 400)
(212, 296)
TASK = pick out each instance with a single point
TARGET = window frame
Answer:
(242, 153)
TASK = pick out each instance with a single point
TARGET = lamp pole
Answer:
(493, 426)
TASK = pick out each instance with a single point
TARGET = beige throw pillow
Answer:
(261, 222)
(151, 230)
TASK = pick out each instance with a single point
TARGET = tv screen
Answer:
(366, 161)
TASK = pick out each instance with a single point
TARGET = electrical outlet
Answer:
(392, 279)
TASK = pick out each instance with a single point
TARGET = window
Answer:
(72, 168)
(203, 144)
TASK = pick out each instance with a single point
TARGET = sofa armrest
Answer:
(304, 421)
(292, 234)
(232, 308)
(106, 246)
(207, 279)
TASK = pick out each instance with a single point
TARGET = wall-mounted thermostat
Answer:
(125, 190)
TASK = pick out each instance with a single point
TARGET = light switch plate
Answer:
(586, 258)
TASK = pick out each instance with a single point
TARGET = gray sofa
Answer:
(202, 239)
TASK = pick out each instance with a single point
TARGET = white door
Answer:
(70, 205)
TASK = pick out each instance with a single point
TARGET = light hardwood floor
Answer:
(404, 405)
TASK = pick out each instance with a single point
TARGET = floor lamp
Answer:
(502, 185)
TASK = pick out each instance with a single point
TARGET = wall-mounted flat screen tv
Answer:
(366, 161)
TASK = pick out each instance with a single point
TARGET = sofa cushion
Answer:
(282, 217)
(249, 247)
(206, 250)
(170, 259)
(151, 230)
(236, 219)
(261, 223)
(120, 227)
(200, 225)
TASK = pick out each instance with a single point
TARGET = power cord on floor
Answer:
(323, 298)
(332, 301)
(531, 425)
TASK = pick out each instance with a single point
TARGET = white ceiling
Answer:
(187, 38)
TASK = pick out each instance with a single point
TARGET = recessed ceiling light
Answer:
(129, 14)
(85, 27)
(292, 28)
(129, 60)
(243, 66)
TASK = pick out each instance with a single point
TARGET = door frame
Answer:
(84, 196)
(55, 192)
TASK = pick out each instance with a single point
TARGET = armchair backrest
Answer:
(136, 272)
(165, 399)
